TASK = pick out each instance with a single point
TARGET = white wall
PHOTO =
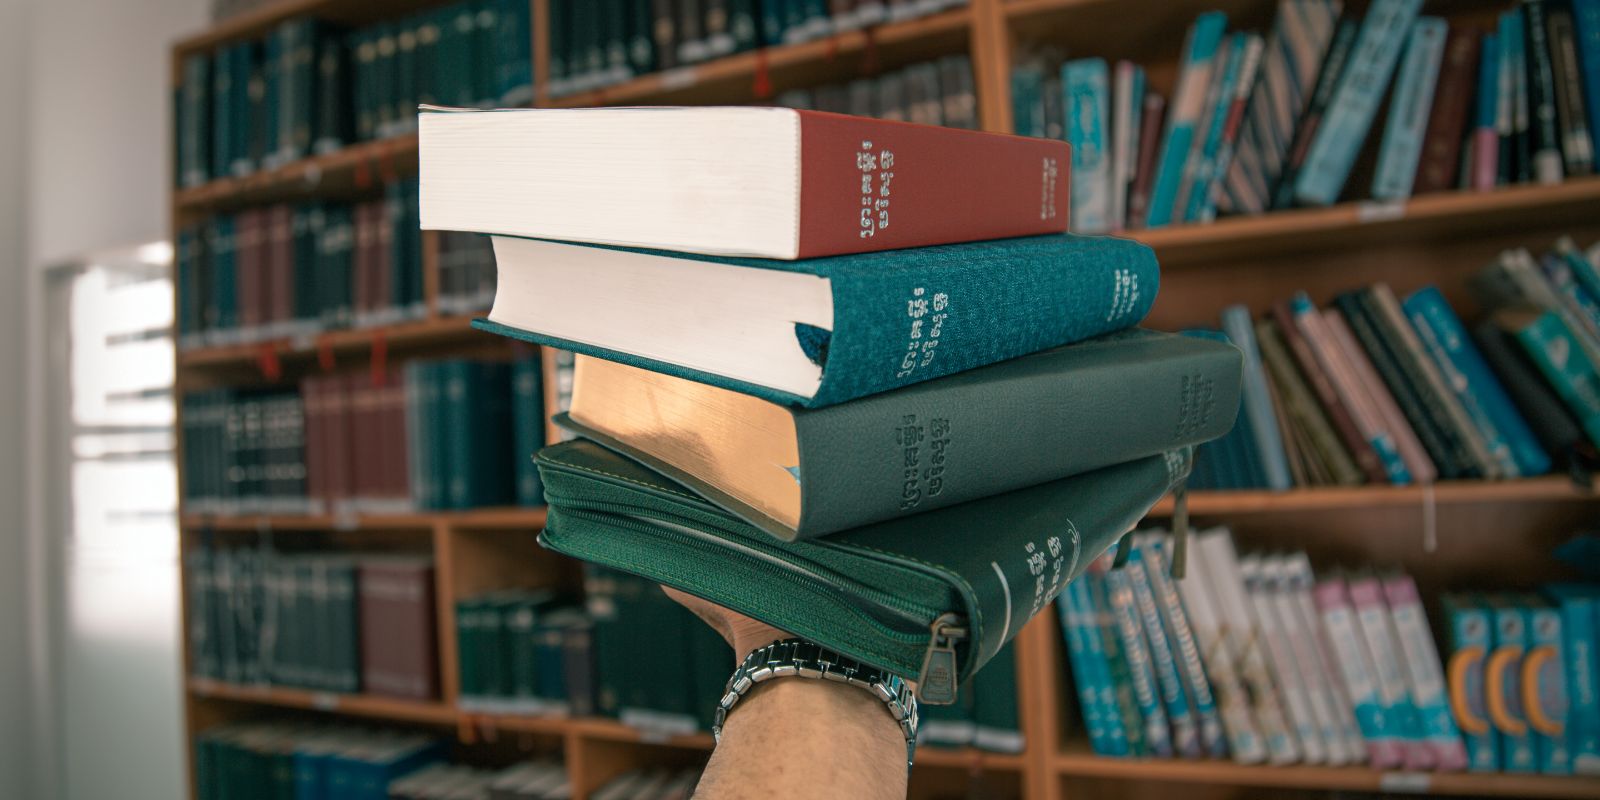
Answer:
(84, 166)
(13, 655)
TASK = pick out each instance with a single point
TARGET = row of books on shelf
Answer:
(1383, 389)
(593, 45)
(1262, 660)
(436, 435)
(1298, 117)
(937, 92)
(296, 270)
(333, 622)
(309, 87)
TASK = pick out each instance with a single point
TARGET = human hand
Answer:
(741, 632)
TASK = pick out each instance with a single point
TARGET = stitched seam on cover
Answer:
(629, 480)
(977, 609)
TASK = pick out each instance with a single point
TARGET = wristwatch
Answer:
(798, 658)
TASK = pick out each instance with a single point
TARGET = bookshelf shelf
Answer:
(345, 171)
(530, 519)
(1354, 779)
(731, 79)
(419, 333)
(387, 708)
(1352, 226)
(1549, 488)
(260, 19)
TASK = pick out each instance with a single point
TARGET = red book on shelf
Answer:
(311, 408)
(747, 181)
(1144, 170)
(280, 258)
(364, 441)
(250, 288)
(361, 294)
(396, 449)
(339, 443)
(381, 258)
(1447, 123)
(399, 650)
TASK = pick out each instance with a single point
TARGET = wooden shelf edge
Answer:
(386, 708)
(745, 64)
(416, 332)
(247, 22)
(1360, 779)
(397, 154)
(1548, 488)
(531, 519)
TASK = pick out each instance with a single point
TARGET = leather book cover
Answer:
(398, 646)
(1452, 102)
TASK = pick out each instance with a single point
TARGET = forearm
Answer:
(795, 737)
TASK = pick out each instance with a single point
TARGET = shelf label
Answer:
(1381, 211)
(1405, 782)
(345, 519)
(323, 701)
(680, 78)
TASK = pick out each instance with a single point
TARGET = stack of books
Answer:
(1329, 105)
(798, 326)
(1259, 659)
(285, 759)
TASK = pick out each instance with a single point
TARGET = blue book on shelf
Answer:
(1453, 350)
(1504, 679)
(1266, 436)
(1185, 728)
(1409, 110)
(1196, 188)
(1086, 99)
(1027, 101)
(1184, 114)
(1339, 138)
(1077, 627)
(1586, 17)
(1546, 693)
(1141, 672)
(1579, 607)
(1471, 638)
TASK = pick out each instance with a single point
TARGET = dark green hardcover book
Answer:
(363, 51)
(406, 75)
(385, 79)
(261, 105)
(304, 66)
(528, 423)
(560, 36)
(455, 420)
(744, 24)
(221, 114)
(1077, 400)
(521, 661)
(1441, 446)
(710, 664)
(1547, 163)
(1557, 430)
(691, 31)
(417, 462)
(485, 65)
(489, 430)
(415, 301)
(468, 663)
(427, 60)
(577, 661)
(591, 43)
(335, 92)
(280, 92)
(716, 28)
(664, 32)
(549, 658)
(609, 648)
(639, 23)
(615, 39)
(194, 135)
(1553, 348)
(774, 21)
(1448, 415)
(455, 46)
(994, 688)
(514, 53)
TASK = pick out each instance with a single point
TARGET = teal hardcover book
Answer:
(820, 332)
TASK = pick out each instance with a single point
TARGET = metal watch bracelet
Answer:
(799, 658)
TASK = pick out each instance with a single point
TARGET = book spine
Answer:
(1097, 669)
(1586, 22)
(1187, 653)
(1471, 641)
(1347, 641)
(1424, 673)
(1075, 629)
(876, 186)
(1310, 325)
(1474, 384)
(1334, 65)
(1262, 417)
(1514, 36)
(1452, 102)
(1415, 443)
(1580, 625)
(1199, 55)
(1141, 668)
(1544, 687)
(1567, 369)
(1185, 727)
(1544, 133)
(1291, 682)
(1085, 92)
(1151, 119)
(1127, 105)
(1228, 144)
(1301, 582)
(1278, 588)
(1376, 626)
(1503, 676)
(1339, 137)
(1577, 146)
(1338, 414)
(1301, 404)
(1486, 129)
(1409, 110)
(1245, 743)
(1224, 71)
(1125, 702)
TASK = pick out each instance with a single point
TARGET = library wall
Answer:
(103, 68)
(13, 665)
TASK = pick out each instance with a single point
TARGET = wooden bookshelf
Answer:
(1435, 238)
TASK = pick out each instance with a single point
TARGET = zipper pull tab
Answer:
(936, 684)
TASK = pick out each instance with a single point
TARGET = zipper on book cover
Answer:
(936, 682)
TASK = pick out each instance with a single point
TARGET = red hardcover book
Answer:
(336, 408)
(1452, 102)
(749, 181)
(363, 458)
(396, 455)
(1366, 458)
(361, 294)
(382, 256)
(280, 249)
(249, 286)
(399, 650)
(1144, 171)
